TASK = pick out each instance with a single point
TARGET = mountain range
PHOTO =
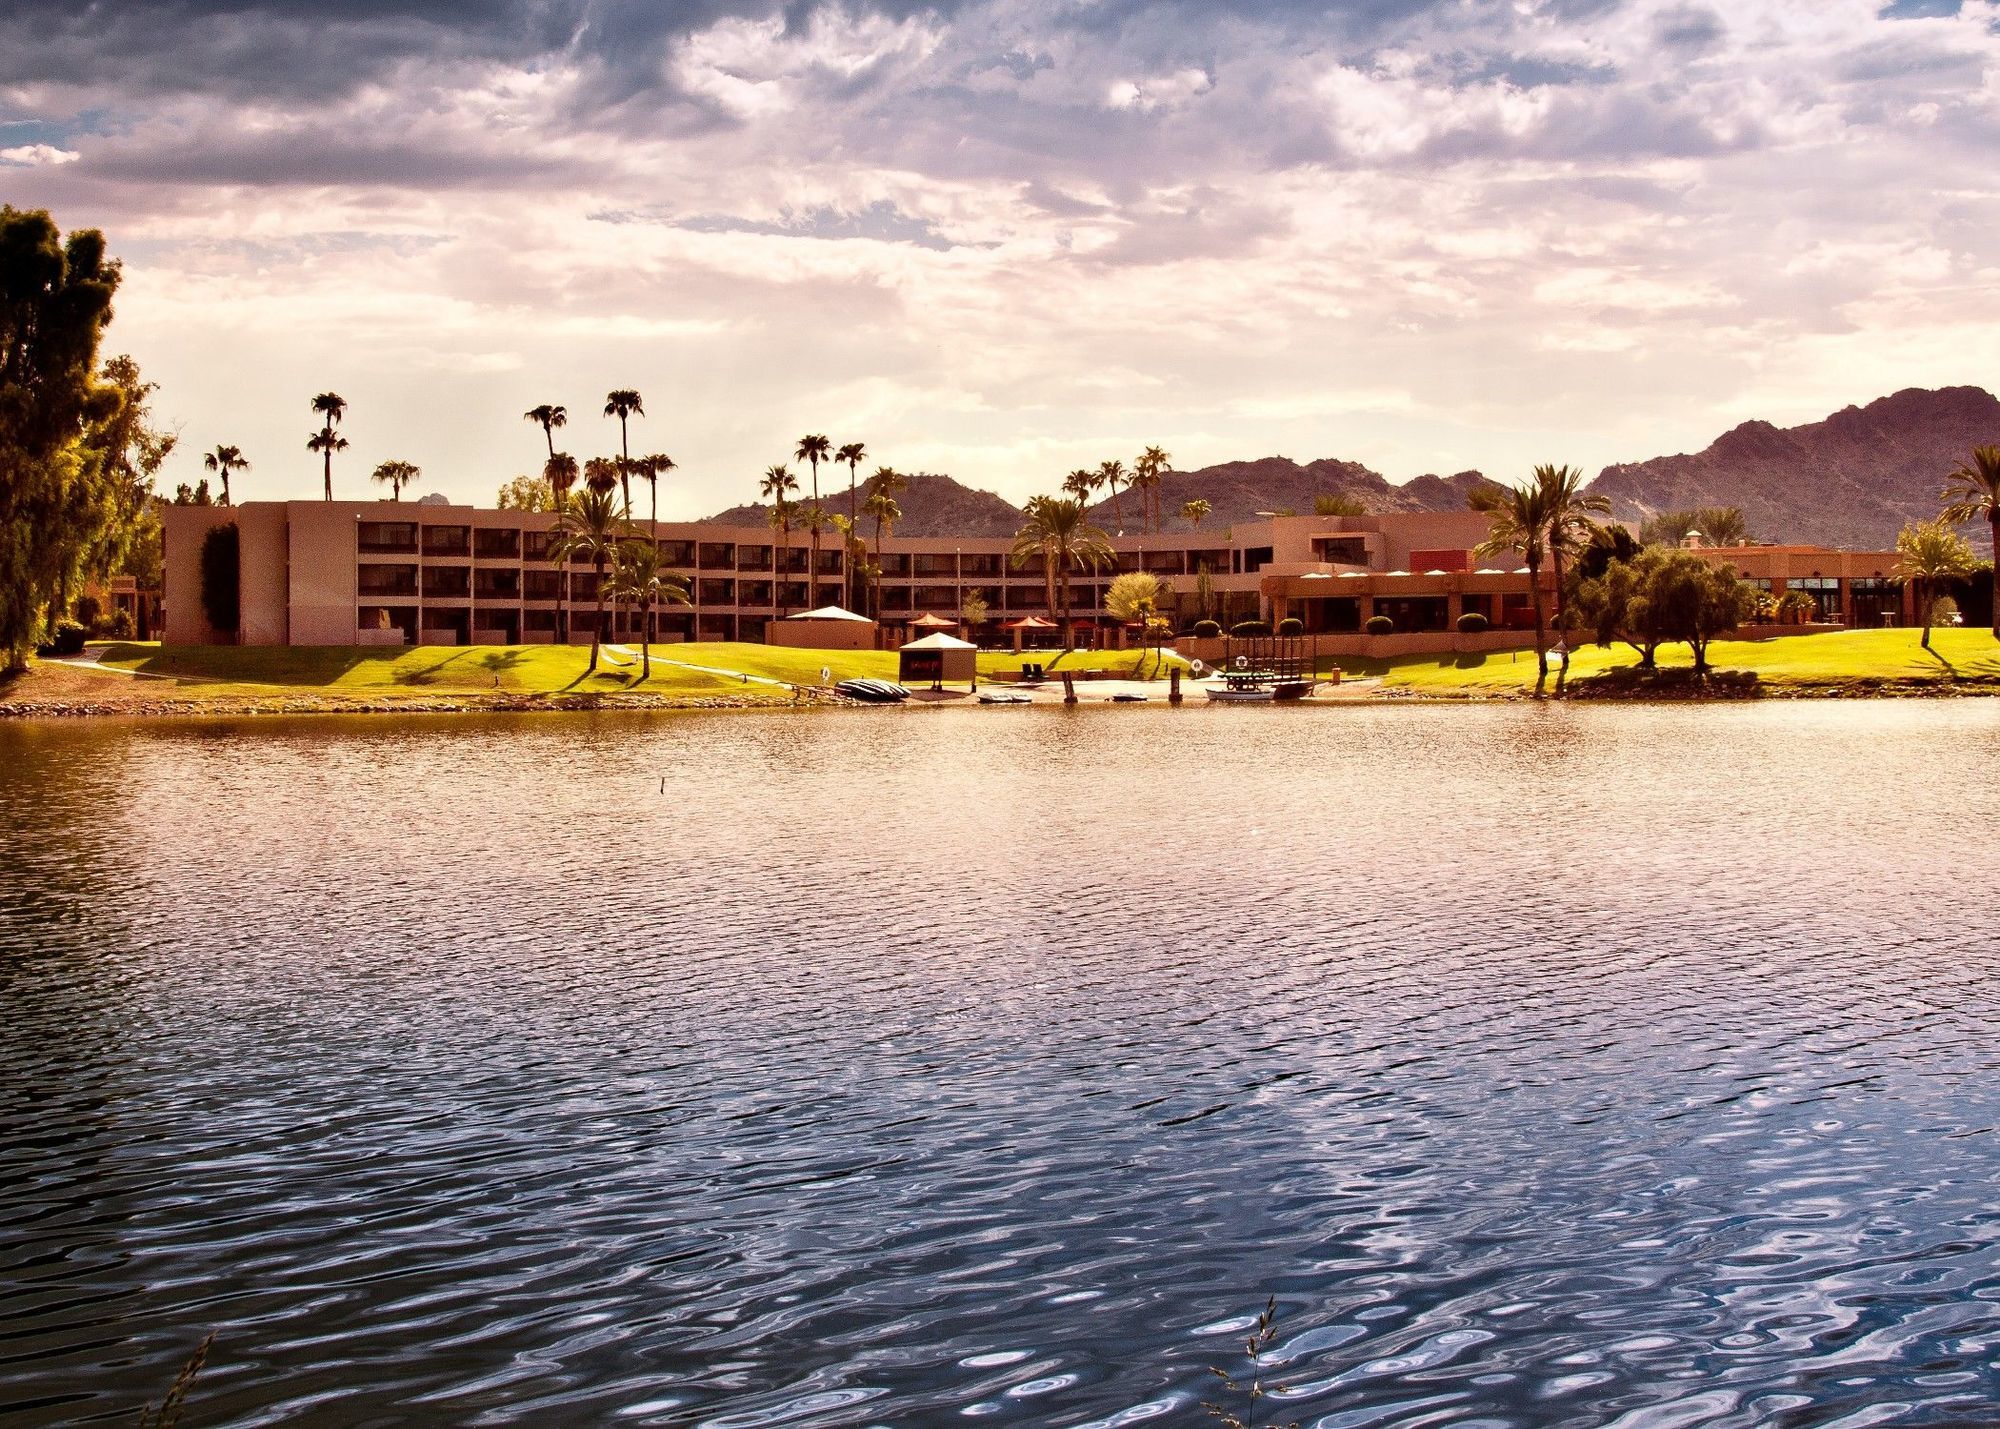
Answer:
(1851, 480)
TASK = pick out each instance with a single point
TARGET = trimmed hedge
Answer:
(1206, 629)
(1472, 623)
(1380, 625)
(1291, 625)
(1250, 627)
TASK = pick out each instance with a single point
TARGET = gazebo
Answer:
(938, 657)
(827, 628)
(1024, 625)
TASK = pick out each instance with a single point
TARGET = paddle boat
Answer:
(874, 692)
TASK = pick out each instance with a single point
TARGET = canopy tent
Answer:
(829, 612)
(938, 657)
(828, 628)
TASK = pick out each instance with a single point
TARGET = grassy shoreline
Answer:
(141, 679)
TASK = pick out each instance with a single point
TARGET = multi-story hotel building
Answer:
(366, 573)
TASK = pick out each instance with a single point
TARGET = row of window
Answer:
(388, 582)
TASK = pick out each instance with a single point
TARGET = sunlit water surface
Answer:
(1550, 1067)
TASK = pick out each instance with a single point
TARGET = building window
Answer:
(447, 540)
(535, 545)
(385, 580)
(676, 553)
(542, 585)
(717, 555)
(447, 582)
(495, 543)
(501, 584)
(753, 558)
(393, 537)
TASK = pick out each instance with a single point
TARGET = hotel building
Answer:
(397, 573)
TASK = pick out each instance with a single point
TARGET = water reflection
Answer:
(1550, 1066)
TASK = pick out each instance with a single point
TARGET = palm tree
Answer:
(1519, 522)
(590, 527)
(1146, 473)
(777, 488)
(881, 504)
(624, 404)
(396, 475)
(653, 468)
(1929, 553)
(1566, 507)
(560, 472)
(816, 522)
(1195, 512)
(814, 449)
(548, 417)
(783, 511)
(1110, 473)
(1974, 494)
(639, 578)
(601, 474)
(1061, 532)
(854, 453)
(1080, 484)
(331, 407)
(222, 461)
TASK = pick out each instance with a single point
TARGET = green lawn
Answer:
(1793, 660)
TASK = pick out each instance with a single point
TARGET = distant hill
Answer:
(1238, 490)
(1851, 480)
(933, 505)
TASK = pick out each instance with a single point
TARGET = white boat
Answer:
(1244, 694)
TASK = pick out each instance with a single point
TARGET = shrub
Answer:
(221, 593)
(1472, 623)
(1250, 627)
(65, 639)
(1207, 629)
(121, 625)
(1380, 625)
(1291, 625)
(89, 612)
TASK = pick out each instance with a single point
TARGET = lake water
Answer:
(1601, 1066)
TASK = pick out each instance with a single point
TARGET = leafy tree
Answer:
(1613, 602)
(331, 407)
(396, 475)
(1195, 512)
(548, 417)
(972, 610)
(1518, 519)
(814, 449)
(590, 527)
(196, 495)
(118, 527)
(1566, 506)
(1337, 503)
(1664, 595)
(1134, 597)
(639, 577)
(624, 404)
(222, 461)
(1974, 495)
(525, 493)
(1929, 554)
(55, 299)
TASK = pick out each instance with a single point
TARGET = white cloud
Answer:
(33, 154)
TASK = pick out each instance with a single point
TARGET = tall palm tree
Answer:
(654, 467)
(560, 472)
(624, 404)
(1059, 529)
(1147, 472)
(590, 527)
(1974, 495)
(1080, 484)
(814, 449)
(1518, 517)
(1195, 512)
(1110, 473)
(548, 417)
(1929, 553)
(816, 521)
(331, 407)
(881, 504)
(601, 474)
(1567, 508)
(639, 578)
(222, 461)
(777, 487)
(854, 453)
(396, 475)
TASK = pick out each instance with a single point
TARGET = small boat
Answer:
(874, 692)
(1003, 697)
(1241, 694)
(1128, 699)
(1247, 687)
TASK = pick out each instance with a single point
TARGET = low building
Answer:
(378, 572)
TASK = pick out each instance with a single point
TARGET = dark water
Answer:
(1566, 1067)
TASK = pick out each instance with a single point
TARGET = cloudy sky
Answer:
(1002, 238)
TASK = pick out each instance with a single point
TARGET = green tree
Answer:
(1566, 510)
(814, 449)
(331, 407)
(1134, 597)
(1080, 484)
(853, 453)
(817, 522)
(1974, 495)
(1337, 503)
(602, 473)
(590, 528)
(396, 475)
(222, 461)
(1147, 474)
(1612, 601)
(1058, 529)
(548, 417)
(883, 488)
(1518, 520)
(525, 493)
(624, 404)
(653, 467)
(55, 299)
(1717, 526)
(784, 511)
(1109, 475)
(1928, 554)
(561, 473)
(117, 525)
(973, 611)
(638, 577)
(1195, 512)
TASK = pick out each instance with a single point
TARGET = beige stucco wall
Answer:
(183, 530)
(322, 572)
(265, 538)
